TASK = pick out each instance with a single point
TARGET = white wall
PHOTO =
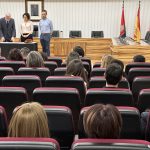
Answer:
(86, 15)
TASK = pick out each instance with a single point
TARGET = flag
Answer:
(137, 30)
(123, 27)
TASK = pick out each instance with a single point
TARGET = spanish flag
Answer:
(123, 26)
(137, 31)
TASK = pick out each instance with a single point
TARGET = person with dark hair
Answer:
(24, 51)
(113, 75)
(44, 56)
(46, 29)
(72, 55)
(119, 62)
(76, 68)
(139, 58)
(26, 29)
(79, 50)
(15, 55)
(102, 121)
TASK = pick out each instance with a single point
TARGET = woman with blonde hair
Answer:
(106, 61)
(34, 59)
(29, 120)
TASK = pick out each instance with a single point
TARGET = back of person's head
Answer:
(139, 58)
(76, 68)
(15, 54)
(44, 56)
(119, 62)
(79, 50)
(72, 55)
(113, 74)
(106, 60)
(25, 51)
(29, 120)
(34, 59)
(102, 121)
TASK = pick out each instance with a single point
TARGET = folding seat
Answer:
(43, 73)
(144, 100)
(3, 122)
(56, 59)
(138, 84)
(29, 82)
(100, 82)
(61, 126)
(4, 71)
(68, 81)
(85, 59)
(59, 96)
(2, 58)
(60, 71)
(64, 65)
(137, 72)
(97, 65)
(98, 72)
(115, 96)
(75, 34)
(131, 128)
(51, 65)
(10, 97)
(13, 64)
(87, 68)
(110, 144)
(28, 144)
(136, 65)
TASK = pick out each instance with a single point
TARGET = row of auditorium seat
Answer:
(30, 82)
(62, 126)
(82, 144)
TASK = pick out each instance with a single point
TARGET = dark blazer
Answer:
(9, 32)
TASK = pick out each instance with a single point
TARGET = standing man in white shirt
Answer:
(46, 28)
(26, 28)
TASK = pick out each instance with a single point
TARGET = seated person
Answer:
(34, 59)
(15, 55)
(113, 75)
(24, 51)
(102, 121)
(79, 50)
(119, 62)
(29, 120)
(106, 61)
(44, 56)
(76, 68)
(72, 56)
(139, 58)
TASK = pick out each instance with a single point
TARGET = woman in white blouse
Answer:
(26, 28)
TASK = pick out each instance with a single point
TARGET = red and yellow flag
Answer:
(137, 31)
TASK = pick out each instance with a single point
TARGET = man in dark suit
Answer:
(7, 29)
